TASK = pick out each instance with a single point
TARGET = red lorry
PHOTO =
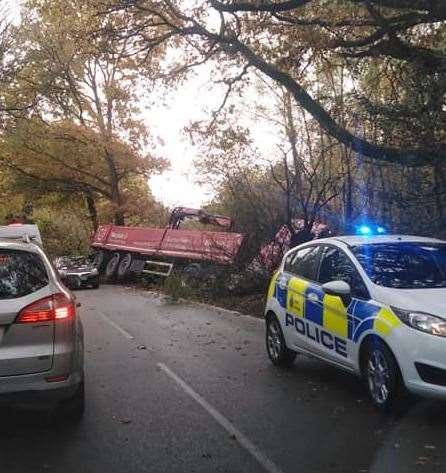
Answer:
(123, 251)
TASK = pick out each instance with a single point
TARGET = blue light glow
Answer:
(364, 230)
(370, 229)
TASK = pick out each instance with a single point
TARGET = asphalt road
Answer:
(186, 388)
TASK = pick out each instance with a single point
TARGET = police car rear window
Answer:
(404, 265)
(21, 273)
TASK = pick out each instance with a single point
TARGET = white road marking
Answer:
(266, 463)
(115, 325)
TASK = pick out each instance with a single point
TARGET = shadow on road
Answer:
(32, 439)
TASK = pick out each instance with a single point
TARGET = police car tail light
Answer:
(424, 322)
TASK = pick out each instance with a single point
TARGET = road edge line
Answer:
(115, 325)
(243, 441)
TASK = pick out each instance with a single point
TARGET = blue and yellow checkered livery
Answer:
(306, 300)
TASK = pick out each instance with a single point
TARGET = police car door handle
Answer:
(313, 297)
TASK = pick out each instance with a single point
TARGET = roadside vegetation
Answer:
(349, 95)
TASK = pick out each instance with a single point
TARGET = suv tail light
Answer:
(52, 308)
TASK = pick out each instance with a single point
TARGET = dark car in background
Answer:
(77, 272)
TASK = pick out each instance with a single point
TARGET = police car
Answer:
(372, 305)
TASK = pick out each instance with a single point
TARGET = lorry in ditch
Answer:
(121, 252)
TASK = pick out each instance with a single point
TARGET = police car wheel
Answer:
(276, 348)
(382, 375)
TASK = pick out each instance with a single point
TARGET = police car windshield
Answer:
(404, 265)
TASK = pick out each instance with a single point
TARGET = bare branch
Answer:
(258, 6)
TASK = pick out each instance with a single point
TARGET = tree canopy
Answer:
(354, 91)
(83, 133)
(396, 46)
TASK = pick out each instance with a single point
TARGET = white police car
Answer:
(374, 306)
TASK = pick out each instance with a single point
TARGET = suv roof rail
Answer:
(26, 233)
(25, 238)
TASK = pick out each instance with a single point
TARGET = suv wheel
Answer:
(276, 348)
(382, 375)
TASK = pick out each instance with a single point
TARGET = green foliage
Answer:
(63, 233)
(256, 204)
(177, 287)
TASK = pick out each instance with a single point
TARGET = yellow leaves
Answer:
(11, 202)
(69, 159)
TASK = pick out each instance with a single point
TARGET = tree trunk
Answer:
(115, 190)
(439, 182)
(119, 217)
(92, 211)
(348, 198)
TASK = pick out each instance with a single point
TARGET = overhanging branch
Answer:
(258, 6)
(408, 157)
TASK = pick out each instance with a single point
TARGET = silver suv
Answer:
(41, 335)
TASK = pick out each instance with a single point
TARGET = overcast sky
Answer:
(178, 186)
(194, 100)
(167, 120)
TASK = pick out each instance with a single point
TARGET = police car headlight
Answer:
(94, 271)
(423, 322)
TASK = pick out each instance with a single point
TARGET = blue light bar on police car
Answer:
(369, 230)
(364, 230)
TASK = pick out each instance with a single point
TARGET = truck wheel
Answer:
(191, 274)
(112, 267)
(100, 260)
(124, 266)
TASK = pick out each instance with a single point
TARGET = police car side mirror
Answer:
(340, 289)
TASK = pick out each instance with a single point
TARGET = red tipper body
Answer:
(199, 245)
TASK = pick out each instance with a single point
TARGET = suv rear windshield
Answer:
(21, 273)
(404, 265)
